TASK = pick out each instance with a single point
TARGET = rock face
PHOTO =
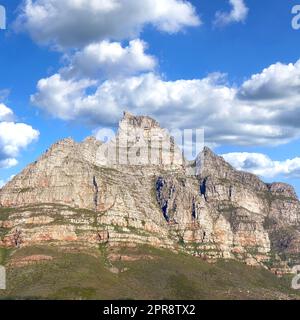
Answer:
(135, 190)
(140, 141)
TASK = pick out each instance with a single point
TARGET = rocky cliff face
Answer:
(80, 195)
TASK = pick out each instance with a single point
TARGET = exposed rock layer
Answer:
(82, 195)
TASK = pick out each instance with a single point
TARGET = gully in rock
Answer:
(194, 211)
(230, 192)
(203, 188)
(96, 193)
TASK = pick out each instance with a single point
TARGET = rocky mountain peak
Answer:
(140, 141)
(90, 140)
(72, 196)
(63, 143)
(282, 189)
(143, 122)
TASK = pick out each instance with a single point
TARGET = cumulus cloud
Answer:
(5, 113)
(8, 163)
(238, 13)
(109, 59)
(264, 166)
(103, 78)
(275, 82)
(277, 90)
(229, 115)
(13, 137)
(81, 22)
(65, 99)
(68, 100)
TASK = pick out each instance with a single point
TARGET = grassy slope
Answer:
(167, 276)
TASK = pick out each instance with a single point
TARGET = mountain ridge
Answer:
(72, 197)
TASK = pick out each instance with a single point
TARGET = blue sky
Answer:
(186, 61)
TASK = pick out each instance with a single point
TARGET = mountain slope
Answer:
(79, 196)
(136, 273)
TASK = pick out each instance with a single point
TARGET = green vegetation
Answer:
(166, 275)
(4, 213)
(269, 197)
(24, 190)
(4, 254)
(3, 232)
(269, 223)
(282, 241)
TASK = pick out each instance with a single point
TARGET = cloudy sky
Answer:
(68, 68)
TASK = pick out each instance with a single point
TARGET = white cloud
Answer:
(238, 13)
(65, 99)
(229, 115)
(13, 137)
(277, 81)
(277, 91)
(104, 78)
(8, 163)
(110, 59)
(263, 165)
(5, 113)
(68, 100)
(77, 23)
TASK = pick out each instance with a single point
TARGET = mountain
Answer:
(135, 200)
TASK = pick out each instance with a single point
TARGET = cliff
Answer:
(138, 189)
